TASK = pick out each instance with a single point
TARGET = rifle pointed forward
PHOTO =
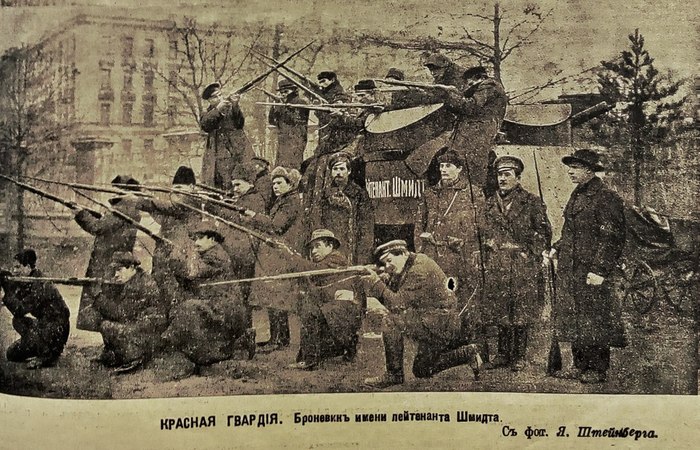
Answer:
(247, 86)
(293, 275)
(41, 193)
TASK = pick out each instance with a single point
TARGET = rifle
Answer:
(247, 86)
(206, 187)
(309, 82)
(266, 239)
(414, 84)
(71, 281)
(91, 187)
(202, 196)
(554, 361)
(294, 275)
(296, 83)
(67, 203)
(127, 219)
(329, 107)
(274, 97)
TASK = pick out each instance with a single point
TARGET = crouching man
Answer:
(40, 315)
(421, 307)
(330, 313)
(210, 323)
(133, 315)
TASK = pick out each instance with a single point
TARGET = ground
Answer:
(660, 358)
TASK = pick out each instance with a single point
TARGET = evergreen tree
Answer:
(644, 112)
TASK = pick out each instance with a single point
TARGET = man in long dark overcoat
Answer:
(588, 252)
(517, 231)
(291, 126)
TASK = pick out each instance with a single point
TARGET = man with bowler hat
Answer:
(588, 253)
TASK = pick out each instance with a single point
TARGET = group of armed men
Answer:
(482, 246)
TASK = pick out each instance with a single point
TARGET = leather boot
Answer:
(466, 354)
(283, 322)
(393, 352)
(519, 348)
(505, 346)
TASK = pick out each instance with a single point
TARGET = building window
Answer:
(126, 150)
(105, 78)
(128, 80)
(148, 78)
(148, 107)
(127, 47)
(172, 50)
(105, 113)
(127, 109)
(150, 48)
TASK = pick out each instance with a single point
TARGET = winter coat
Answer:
(292, 132)
(134, 315)
(514, 239)
(349, 214)
(112, 234)
(227, 144)
(448, 212)
(592, 240)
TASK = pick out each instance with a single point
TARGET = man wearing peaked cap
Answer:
(132, 317)
(227, 143)
(516, 232)
(591, 244)
(39, 315)
(112, 234)
(395, 74)
(291, 124)
(330, 313)
(422, 307)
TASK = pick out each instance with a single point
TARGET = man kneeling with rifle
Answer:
(422, 308)
(43, 336)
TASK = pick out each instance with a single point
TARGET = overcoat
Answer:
(516, 233)
(592, 240)
(112, 234)
(292, 131)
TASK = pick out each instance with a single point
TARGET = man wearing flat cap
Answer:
(39, 314)
(112, 234)
(516, 232)
(478, 102)
(329, 310)
(588, 254)
(133, 314)
(422, 307)
(447, 230)
(346, 209)
(227, 143)
(209, 325)
(291, 125)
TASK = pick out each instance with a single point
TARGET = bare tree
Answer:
(200, 55)
(30, 123)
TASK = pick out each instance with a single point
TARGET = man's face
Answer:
(365, 97)
(20, 270)
(124, 274)
(449, 172)
(507, 180)
(320, 248)
(325, 82)
(340, 173)
(215, 98)
(286, 92)
(280, 186)
(259, 166)
(579, 173)
(176, 197)
(240, 187)
(204, 242)
(437, 72)
(394, 264)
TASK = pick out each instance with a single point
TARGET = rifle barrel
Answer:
(67, 281)
(300, 85)
(41, 193)
(257, 79)
(415, 84)
(91, 187)
(292, 275)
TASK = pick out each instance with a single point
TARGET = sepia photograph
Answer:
(250, 199)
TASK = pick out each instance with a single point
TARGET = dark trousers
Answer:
(279, 326)
(591, 357)
(430, 359)
(38, 339)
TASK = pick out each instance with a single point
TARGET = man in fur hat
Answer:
(112, 234)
